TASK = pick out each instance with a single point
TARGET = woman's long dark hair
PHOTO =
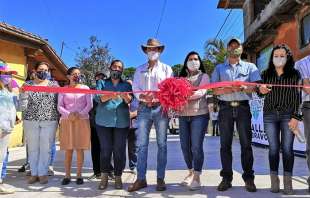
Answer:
(183, 72)
(288, 69)
(71, 69)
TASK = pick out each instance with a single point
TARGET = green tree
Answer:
(129, 72)
(176, 69)
(215, 51)
(96, 57)
(209, 66)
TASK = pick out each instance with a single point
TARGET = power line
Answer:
(229, 13)
(229, 21)
(223, 24)
(69, 48)
(161, 17)
(233, 25)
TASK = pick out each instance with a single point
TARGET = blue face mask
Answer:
(42, 75)
(6, 79)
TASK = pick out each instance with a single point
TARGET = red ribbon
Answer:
(207, 86)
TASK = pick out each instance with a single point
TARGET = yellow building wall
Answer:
(15, 57)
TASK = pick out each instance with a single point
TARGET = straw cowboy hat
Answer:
(153, 43)
(4, 68)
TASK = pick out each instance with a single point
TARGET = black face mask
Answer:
(115, 74)
(42, 75)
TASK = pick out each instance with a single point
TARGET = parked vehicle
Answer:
(174, 126)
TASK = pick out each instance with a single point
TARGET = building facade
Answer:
(271, 22)
(21, 50)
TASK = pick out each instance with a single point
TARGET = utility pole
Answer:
(62, 48)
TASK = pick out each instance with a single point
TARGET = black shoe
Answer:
(224, 185)
(22, 169)
(79, 181)
(250, 186)
(161, 186)
(65, 181)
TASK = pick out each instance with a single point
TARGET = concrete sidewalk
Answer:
(176, 171)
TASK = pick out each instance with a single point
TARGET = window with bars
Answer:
(305, 31)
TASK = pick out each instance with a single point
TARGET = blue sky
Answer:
(124, 24)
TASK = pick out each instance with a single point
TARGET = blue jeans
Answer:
(192, 133)
(112, 140)
(53, 153)
(146, 117)
(242, 116)
(4, 142)
(40, 135)
(276, 126)
(5, 163)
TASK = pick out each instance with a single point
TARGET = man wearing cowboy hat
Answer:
(146, 78)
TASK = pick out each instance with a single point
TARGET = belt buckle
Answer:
(234, 103)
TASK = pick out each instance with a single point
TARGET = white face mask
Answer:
(153, 56)
(279, 61)
(193, 65)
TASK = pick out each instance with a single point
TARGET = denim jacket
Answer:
(8, 111)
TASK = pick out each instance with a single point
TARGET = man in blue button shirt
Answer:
(234, 107)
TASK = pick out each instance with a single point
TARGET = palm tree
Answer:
(215, 51)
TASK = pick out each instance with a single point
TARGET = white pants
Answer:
(40, 135)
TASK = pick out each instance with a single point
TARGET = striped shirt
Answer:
(283, 99)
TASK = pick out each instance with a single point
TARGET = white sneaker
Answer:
(194, 185)
(50, 171)
(187, 180)
(4, 190)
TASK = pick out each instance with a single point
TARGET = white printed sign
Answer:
(258, 134)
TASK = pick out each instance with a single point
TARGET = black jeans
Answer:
(215, 127)
(95, 151)
(132, 148)
(112, 140)
(242, 116)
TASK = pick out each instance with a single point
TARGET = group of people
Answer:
(104, 122)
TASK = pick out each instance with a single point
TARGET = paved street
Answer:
(176, 171)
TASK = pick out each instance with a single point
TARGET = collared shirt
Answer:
(147, 79)
(75, 103)
(303, 66)
(243, 71)
(283, 98)
(112, 113)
